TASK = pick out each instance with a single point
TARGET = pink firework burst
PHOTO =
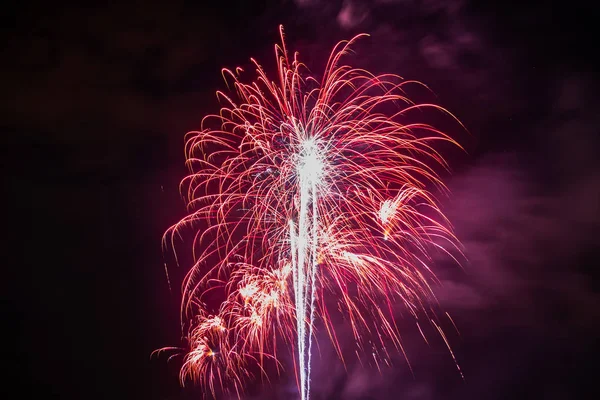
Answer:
(309, 197)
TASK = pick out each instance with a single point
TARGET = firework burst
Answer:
(309, 197)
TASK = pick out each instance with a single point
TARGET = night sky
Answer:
(96, 103)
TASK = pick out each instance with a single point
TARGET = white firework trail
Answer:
(304, 254)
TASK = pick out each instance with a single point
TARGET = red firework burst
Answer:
(309, 197)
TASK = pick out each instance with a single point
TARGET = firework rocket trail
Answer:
(304, 259)
(321, 183)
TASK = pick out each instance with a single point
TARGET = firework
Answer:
(309, 197)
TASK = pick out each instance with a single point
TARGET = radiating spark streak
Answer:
(453, 324)
(168, 279)
(321, 182)
(443, 335)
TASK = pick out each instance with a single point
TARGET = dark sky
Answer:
(97, 100)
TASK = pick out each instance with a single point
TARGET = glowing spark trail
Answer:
(309, 171)
(308, 197)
